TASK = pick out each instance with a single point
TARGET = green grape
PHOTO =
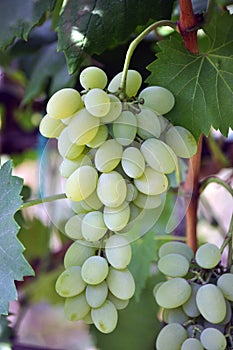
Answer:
(94, 270)
(68, 166)
(211, 303)
(176, 315)
(125, 128)
(81, 183)
(88, 319)
(115, 110)
(73, 227)
(100, 137)
(213, 339)
(121, 283)
(111, 189)
(148, 124)
(93, 77)
(118, 251)
(208, 256)
(158, 99)
(83, 127)
(176, 247)
(173, 265)
(77, 253)
(78, 208)
(147, 202)
(228, 316)
(133, 162)
(66, 148)
(93, 226)
(76, 308)
(92, 202)
(117, 218)
(70, 282)
(192, 344)
(97, 294)
(105, 317)
(173, 293)
(133, 83)
(151, 182)
(171, 337)
(132, 192)
(181, 141)
(119, 303)
(225, 283)
(159, 156)
(97, 102)
(64, 103)
(50, 127)
(190, 307)
(164, 122)
(108, 156)
(134, 217)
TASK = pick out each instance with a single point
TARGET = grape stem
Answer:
(228, 241)
(42, 200)
(135, 43)
(217, 180)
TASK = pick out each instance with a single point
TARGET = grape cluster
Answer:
(118, 151)
(196, 300)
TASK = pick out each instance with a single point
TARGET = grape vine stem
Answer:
(217, 180)
(43, 200)
(135, 43)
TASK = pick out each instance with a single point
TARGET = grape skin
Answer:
(176, 247)
(171, 337)
(213, 339)
(77, 253)
(70, 282)
(208, 256)
(157, 98)
(173, 265)
(225, 283)
(94, 270)
(105, 317)
(93, 77)
(211, 303)
(173, 293)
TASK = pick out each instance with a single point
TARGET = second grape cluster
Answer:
(196, 299)
(118, 153)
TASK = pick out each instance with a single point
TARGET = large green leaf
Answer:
(91, 26)
(13, 265)
(48, 64)
(202, 84)
(17, 18)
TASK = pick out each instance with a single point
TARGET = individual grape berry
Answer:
(213, 339)
(94, 270)
(133, 83)
(225, 283)
(157, 98)
(121, 283)
(118, 251)
(181, 141)
(70, 282)
(173, 293)
(170, 337)
(211, 303)
(105, 317)
(173, 265)
(64, 103)
(176, 247)
(93, 77)
(208, 256)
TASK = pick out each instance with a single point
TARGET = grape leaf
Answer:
(143, 253)
(17, 18)
(91, 26)
(48, 64)
(202, 84)
(13, 265)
